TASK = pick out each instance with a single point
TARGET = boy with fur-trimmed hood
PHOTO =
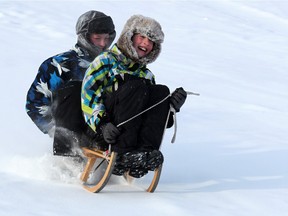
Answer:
(118, 86)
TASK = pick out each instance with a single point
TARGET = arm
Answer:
(39, 96)
(95, 82)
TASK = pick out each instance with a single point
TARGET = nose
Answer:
(146, 41)
(102, 43)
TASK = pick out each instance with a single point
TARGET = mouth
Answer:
(142, 49)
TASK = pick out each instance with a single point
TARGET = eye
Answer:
(96, 38)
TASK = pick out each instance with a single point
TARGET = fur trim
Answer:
(147, 27)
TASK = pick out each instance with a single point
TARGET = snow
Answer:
(230, 155)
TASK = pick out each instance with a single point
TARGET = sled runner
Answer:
(101, 163)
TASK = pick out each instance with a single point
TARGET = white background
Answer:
(230, 156)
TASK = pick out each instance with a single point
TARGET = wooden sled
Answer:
(102, 158)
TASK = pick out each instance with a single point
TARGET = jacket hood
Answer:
(147, 27)
(94, 22)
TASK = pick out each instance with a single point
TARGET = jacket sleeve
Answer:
(94, 84)
(39, 96)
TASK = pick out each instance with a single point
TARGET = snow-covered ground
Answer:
(231, 152)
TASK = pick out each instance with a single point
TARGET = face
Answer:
(100, 40)
(142, 45)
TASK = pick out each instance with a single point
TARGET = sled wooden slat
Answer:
(88, 167)
(93, 152)
(92, 155)
(155, 180)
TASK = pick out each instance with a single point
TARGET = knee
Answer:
(162, 90)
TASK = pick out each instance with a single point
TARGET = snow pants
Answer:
(70, 126)
(144, 132)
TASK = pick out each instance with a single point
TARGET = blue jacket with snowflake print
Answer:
(53, 73)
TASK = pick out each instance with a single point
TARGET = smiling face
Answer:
(142, 45)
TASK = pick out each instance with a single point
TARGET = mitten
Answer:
(178, 98)
(110, 133)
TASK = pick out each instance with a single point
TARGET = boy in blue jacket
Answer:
(53, 100)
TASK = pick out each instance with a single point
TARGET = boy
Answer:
(53, 100)
(118, 86)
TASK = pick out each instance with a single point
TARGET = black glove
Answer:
(110, 133)
(178, 98)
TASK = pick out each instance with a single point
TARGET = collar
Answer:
(129, 63)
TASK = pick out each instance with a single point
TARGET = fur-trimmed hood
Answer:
(147, 27)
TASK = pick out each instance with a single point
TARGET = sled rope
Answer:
(175, 125)
(107, 152)
(149, 108)
(171, 110)
(99, 164)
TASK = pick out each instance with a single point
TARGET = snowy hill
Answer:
(230, 156)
